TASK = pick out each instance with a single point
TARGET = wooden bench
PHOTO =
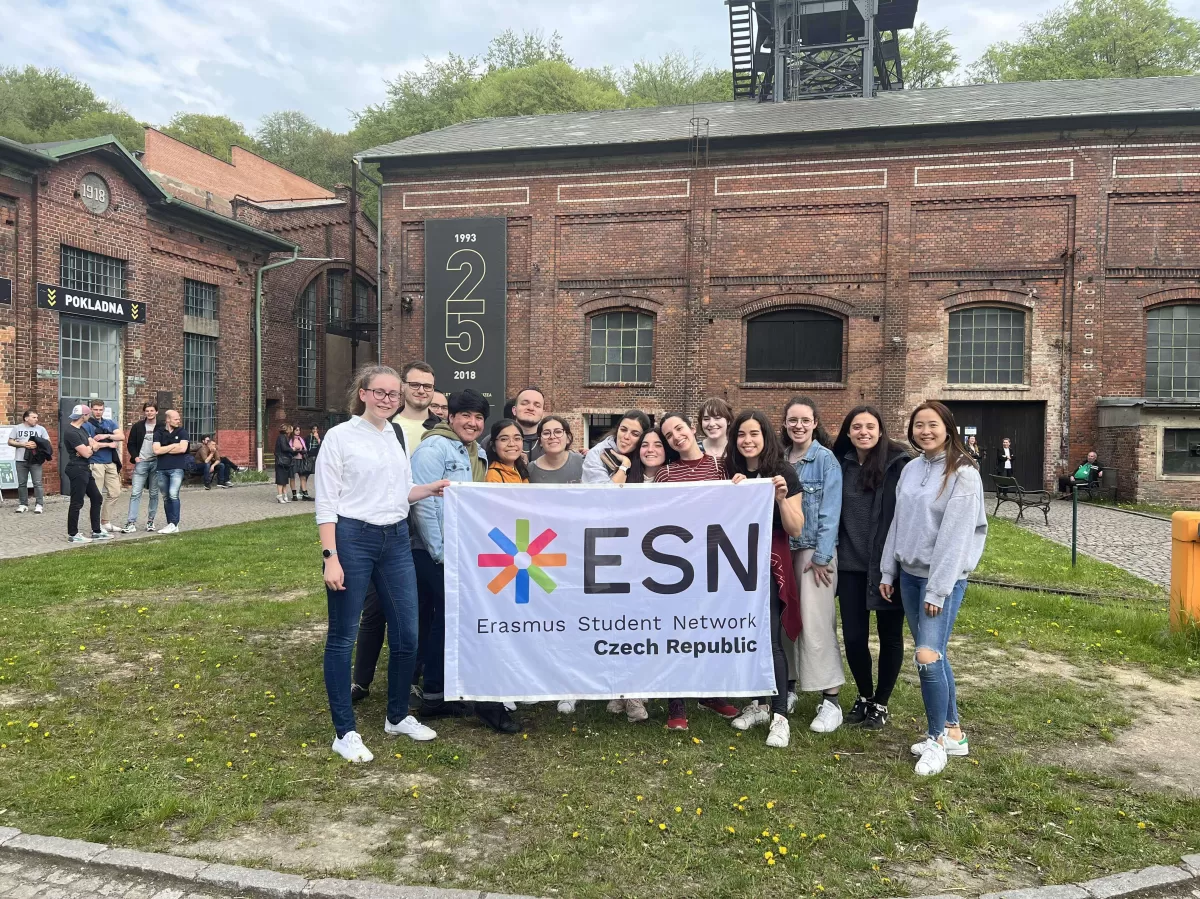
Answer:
(1009, 491)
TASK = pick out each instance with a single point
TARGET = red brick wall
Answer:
(890, 237)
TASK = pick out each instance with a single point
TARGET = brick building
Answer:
(316, 326)
(116, 289)
(133, 279)
(1028, 253)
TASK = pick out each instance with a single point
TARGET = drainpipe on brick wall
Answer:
(378, 257)
(258, 371)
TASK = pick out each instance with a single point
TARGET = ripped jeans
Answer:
(933, 632)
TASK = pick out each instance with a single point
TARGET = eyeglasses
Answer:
(418, 388)
(803, 422)
(553, 435)
(380, 394)
(509, 438)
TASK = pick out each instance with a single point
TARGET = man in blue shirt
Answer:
(105, 470)
(171, 448)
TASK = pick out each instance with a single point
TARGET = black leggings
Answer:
(82, 484)
(779, 700)
(856, 629)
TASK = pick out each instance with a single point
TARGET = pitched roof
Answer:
(962, 105)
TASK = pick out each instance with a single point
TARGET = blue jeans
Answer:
(169, 483)
(431, 579)
(933, 632)
(381, 555)
(217, 468)
(144, 472)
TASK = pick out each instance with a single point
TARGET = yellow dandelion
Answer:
(1141, 825)
(766, 833)
(741, 798)
(678, 809)
(783, 850)
(33, 724)
(189, 761)
(775, 839)
(662, 826)
(770, 805)
(524, 736)
(699, 811)
(639, 798)
(770, 861)
(697, 740)
(768, 854)
(253, 735)
(229, 764)
(575, 835)
(820, 836)
(416, 795)
(731, 830)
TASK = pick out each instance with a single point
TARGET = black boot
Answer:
(439, 708)
(358, 694)
(496, 716)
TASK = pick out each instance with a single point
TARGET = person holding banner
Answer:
(506, 454)
(935, 541)
(362, 510)
(871, 467)
(449, 452)
(692, 465)
(615, 460)
(755, 453)
(557, 464)
(815, 658)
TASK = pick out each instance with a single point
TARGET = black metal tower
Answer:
(808, 49)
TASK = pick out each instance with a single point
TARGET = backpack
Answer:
(400, 436)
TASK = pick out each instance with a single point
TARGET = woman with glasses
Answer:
(557, 464)
(506, 463)
(362, 512)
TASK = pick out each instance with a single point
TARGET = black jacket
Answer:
(43, 454)
(882, 511)
(284, 454)
(133, 440)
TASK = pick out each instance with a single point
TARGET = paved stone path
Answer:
(1137, 543)
(20, 879)
(29, 534)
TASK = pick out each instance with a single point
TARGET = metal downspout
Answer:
(378, 255)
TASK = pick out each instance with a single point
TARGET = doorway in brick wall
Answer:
(1023, 423)
(89, 367)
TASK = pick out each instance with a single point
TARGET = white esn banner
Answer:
(602, 592)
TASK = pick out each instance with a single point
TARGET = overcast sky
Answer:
(329, 57)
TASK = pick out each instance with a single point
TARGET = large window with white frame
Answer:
(986, 346)
(1173, 352)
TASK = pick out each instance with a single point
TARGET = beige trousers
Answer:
(108, 480)
(815, 660)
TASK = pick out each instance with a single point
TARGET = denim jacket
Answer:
(821, 487)
(436, 458)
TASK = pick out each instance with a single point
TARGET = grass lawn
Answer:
(172, 699)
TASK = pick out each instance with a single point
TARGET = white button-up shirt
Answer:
(362, 473)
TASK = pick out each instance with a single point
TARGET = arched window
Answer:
(987, 346)
(1173, 352)
(794, 345)
(622, 347)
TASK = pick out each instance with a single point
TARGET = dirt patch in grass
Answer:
(98, 666)
(943, 875)
(22, 699)
(305, 635)
(1166, 713)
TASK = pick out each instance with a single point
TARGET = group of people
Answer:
(161, 456)
(858, 523)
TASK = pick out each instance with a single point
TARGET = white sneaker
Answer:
(615, 706)
(409, 727)
(952, 746)
(21, 509)
(752, 716)
(108, 526)
(791, 706)
(170, 529)
(101, 535)
(781, 732)
(829, 718)
(79, 538)
(933, 759)
(351, 748)
(280, 498)
(130, 528)
(38, 510)
(635, 711)
(566, 706)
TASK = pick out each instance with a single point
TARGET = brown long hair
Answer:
(956, 453)
(771, 461)
(874, 467)
(820, 435)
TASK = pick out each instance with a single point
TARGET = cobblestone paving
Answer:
(1138, 544)
(29, 534)
(29, 879)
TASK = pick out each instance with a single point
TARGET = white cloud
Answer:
(327, 57)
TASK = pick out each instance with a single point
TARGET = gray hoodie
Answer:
(936, 534)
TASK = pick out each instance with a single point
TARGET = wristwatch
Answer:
(624, 468)
(326, 553)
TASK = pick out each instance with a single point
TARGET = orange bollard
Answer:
(1185, 570)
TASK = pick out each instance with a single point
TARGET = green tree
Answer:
(212, 134)
(546, 87)
(508, 50)
(38, 105)
(418, 101)
(293, 140)
(675, 80)
(1096, 39)
(928, 57)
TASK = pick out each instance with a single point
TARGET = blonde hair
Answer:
(362, 381)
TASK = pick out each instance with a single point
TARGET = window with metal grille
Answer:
(92, 273)
(794, 345)
(987, 346)
(199, 299)
(89, 359)
(200, 385)
(1173, 352)
(1181, 451)
(334, 283)
(622, 347)
(306, 355)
